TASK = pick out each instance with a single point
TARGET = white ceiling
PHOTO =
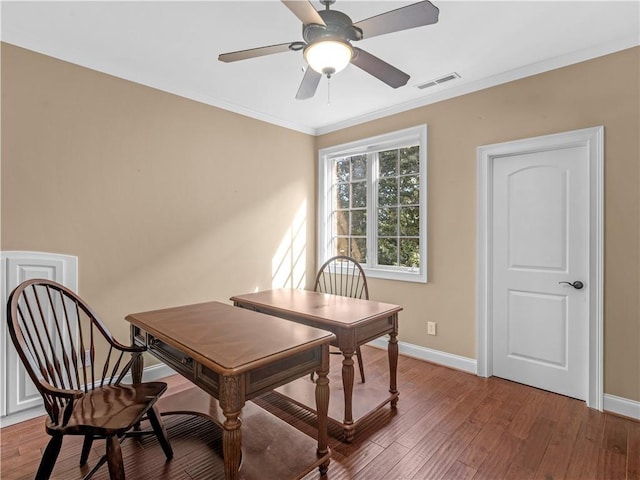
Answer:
(173, 46)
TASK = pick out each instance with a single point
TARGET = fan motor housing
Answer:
(338, 26)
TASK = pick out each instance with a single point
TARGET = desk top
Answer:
(228, 339)
(322, 307)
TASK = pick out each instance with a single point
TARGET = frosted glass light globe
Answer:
(329, 56)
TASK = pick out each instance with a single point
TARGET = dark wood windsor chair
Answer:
(344, 276)
(60, 340)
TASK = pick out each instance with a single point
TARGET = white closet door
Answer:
(18, 392)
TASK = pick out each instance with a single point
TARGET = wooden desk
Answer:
(235, 355)
(354, 322)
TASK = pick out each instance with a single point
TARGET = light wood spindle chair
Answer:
(344, 276)
(60, 340)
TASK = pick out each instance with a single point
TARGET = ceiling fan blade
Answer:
(309, 84)
(411, 16)
(379, 68)
(304, 11)
(253, 52)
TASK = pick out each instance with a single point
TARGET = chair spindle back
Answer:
(342, 275)
(62, 343)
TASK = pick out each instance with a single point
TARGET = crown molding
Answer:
(488, 82)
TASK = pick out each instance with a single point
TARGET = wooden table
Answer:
(235, 355)
(354, 322)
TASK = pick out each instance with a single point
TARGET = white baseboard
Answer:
(436, 356)
(152, 373)
(22, 416)
(622, 406)
(613, 404)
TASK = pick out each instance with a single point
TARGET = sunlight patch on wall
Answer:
(288, 263)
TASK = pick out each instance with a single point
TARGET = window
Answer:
(372, 204)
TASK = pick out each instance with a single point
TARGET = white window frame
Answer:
(398, 139)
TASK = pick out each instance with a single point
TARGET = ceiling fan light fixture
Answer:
(328, 56)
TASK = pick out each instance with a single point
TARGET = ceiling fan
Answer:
(327, 41)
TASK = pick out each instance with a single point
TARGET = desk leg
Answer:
(393, 363)
(322, 407)
(347, 384)
(231, 402)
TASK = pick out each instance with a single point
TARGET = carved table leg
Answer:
(322, 407)
(393, 364)
(347, 384)
(231, 402)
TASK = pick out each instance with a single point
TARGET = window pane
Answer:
(358, 222)
(409, 252)
(388, 163)
(388, 191)
(410, 221)
(359, 249)
(387, 251)
(350, 206)
(359, 194)
(342, 195)
(409, 160)
(342, 222)
(342, 246)
(359, 167)
(342, 170)
(410, 190)
(387, 222)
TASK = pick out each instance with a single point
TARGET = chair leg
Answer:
(114, 458)
(360, 366)
(49, 458)
(161, 432)
(86, 448)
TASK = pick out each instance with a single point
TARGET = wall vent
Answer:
(438, 81)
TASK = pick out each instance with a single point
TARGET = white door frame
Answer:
(593, 139)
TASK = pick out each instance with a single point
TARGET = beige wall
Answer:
(164, 200)
(603, 91)
(168, 201)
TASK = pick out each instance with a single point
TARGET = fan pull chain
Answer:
(328, 89)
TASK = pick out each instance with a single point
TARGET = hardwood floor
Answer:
(448, 425)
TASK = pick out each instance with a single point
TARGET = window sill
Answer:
(415, 276)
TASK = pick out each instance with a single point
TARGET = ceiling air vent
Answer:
(438, 81)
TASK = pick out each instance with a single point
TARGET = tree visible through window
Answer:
(399, 207)
(350, 207)
(375, 204)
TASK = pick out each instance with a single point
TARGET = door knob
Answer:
(577, 284)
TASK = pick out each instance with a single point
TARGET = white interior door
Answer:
(18, 392)
(540, 247)
(540, 230)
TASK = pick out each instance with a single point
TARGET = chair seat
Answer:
(109, 410)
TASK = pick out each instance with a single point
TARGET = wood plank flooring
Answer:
(448, 425)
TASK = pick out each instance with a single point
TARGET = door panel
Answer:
(540, 238)
(537, 218)
(537, 329)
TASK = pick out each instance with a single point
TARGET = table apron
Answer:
(256, 381)
(359, 333)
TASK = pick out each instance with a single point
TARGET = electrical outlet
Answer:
(87, 357)
(431, 328)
